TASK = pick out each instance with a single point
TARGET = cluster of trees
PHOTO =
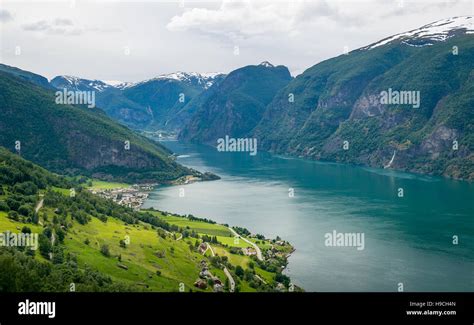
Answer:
(19, 193)
(49, 248)
(20, 207)
(20, 183)
(210, 239)
(21, 273)
(219, 261)
(84, 204)
(250, 276)
(14, 170)
(266, 265)
(236, 250)
(188, 233)
(281, 278)
(193, 218)
(242, 231)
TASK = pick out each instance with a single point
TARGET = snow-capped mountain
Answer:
(119, 84)
(205, 80)
(438, 31)
(340, 99)
(232, 107)
(75, 83)
(150, 103)
(267, 64)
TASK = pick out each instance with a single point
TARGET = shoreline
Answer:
(381, 170)
(134, 196)
(275, 257)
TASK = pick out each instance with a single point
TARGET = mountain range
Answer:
(338, 115)
(152, 104)
(71, 139)
(333, 111)
(235, 105)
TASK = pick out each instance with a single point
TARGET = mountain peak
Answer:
(205, 79)
(437, 31)
(267, 64)
(76, 83)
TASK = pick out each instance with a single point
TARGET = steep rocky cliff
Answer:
(340, 112)
(75, 138)
(236, 105)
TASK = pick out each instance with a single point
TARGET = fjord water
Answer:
(408, 239)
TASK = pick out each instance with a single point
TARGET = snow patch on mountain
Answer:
(267, 64)
(113, 83)
(78, 83)
(119, 84)
(205, 79)
(438, 31)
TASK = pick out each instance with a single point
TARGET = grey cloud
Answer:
(62, 22)
(37, 26)
(63, 26)
(5, 16)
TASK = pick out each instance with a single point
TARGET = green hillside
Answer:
(77, 139)
(92, 244)
(338, 100)
(236, 105)
(157, 104)
(26, 75)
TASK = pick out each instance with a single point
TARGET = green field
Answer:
(140, 256)
(15, 226)
(235, 259)
(63, 191)
(102, 185)
(147, 252)
(99, 245)
(233, 242)
(200, 227)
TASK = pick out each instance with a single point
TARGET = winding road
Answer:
(38, 207)
(231, 280)
(257, 249)
(226, 271)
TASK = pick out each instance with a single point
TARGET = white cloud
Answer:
(236, 19)
(163, 37)
(244, 19)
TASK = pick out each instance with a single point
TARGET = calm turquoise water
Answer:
(407, 240)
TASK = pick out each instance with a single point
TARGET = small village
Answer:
(132, 197)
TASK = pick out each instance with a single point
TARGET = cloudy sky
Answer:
(135, 40)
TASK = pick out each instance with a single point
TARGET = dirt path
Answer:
(262, 280)
(39, 205)
(37, 208)
(209, 247)
(231, 280)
